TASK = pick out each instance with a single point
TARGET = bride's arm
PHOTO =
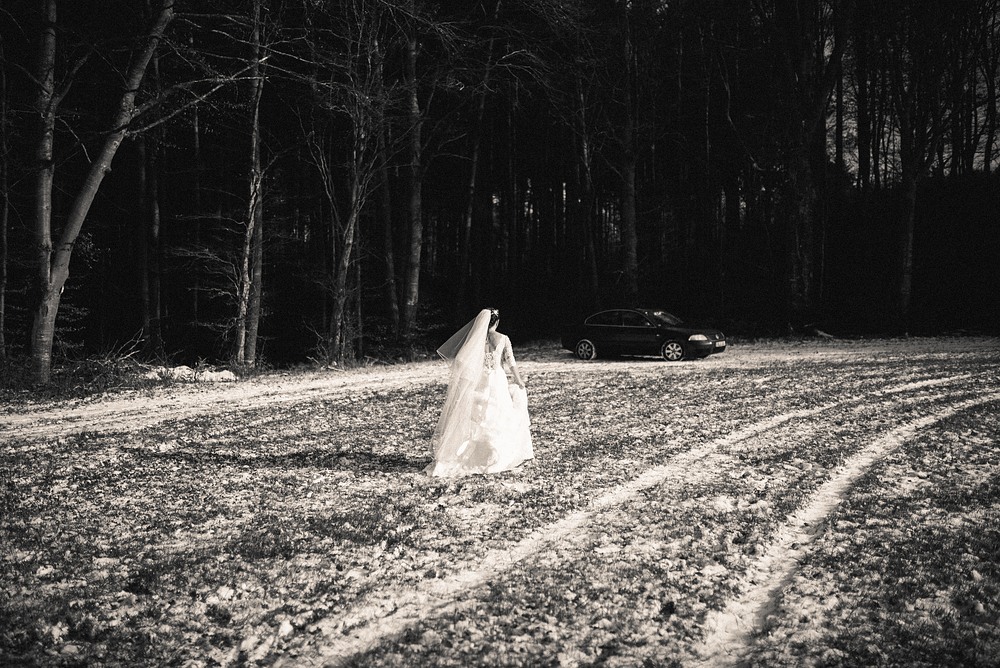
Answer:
(508, 358)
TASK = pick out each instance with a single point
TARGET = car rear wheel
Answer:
(585, 349)
(672, 351)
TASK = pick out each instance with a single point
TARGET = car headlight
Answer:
(697, 337)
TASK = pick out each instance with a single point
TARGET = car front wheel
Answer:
(585, 349)
(672, 351)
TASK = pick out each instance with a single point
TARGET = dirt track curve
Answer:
(929, 395)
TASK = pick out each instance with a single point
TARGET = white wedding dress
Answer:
(484, 425)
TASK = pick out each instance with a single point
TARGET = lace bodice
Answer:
(502, 354)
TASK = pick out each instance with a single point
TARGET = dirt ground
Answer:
(727, 511)
(136, 409)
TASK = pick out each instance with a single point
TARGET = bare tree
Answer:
(810, 37)
(385, 204)
(862, 48)
(5, 204)
(150, 150)
(251, 257)
(350, 93)
(587, 199)
(53, 258)
(916, 55)
(411, 284)
(475, 143)
(989, 64)
(150, 247)
(604, 99)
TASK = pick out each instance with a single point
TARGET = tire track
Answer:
(387, 616)
(134, 414)
(731, 630)
(131, 415)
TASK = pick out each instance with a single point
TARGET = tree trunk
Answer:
(143, 233)
(839, 127)
(800, 205)
(864, 127)
(991, 125)
(199, 170)
(43, 325)
(53, 261)
(153, 260)
(877, 125)
(991, 71)
(863, 83)
(587, 199)
(820, 206)
(913, 156)
(150, 249)
(905, 290)
(255, 210)
(412, 283)
(4, 206)
(733, 222)
(256, 287)
(4, 225)
(916, 85)
(359, 349)
(342, 269)
(629, 237)
(385, 215)
(510, 202)
(811, 70)
(465, 237)
(362, 168)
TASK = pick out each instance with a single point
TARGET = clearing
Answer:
(784, 503)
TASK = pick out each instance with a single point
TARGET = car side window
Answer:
(605, 318)
(632, 319)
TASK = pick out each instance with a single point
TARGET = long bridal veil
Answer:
(464, 352)
(480, 429)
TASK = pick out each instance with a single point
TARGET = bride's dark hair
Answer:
(494, 316)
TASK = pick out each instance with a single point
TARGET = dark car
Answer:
(641, 332)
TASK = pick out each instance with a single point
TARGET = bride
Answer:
(484, 425)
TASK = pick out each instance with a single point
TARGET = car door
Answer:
(638, 335)
(604, 329)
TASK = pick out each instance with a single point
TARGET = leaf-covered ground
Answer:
(782, 504)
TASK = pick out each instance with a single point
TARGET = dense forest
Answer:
(276, 181)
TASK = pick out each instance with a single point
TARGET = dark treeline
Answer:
(284, 180)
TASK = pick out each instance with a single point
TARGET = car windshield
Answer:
(664, 318)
